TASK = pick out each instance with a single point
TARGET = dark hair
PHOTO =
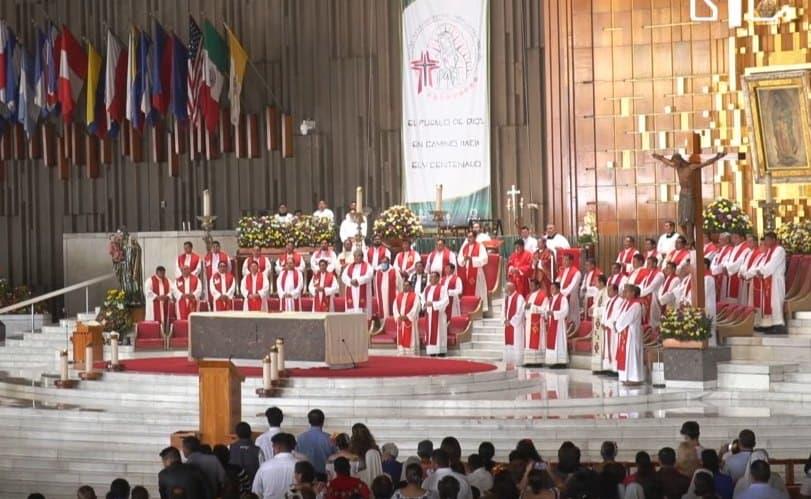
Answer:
(519, 242)
(413, 474)
(707, 262)
(342, 441)
(690, 429)
(274, 416)
(441, 458)
(526, 450)
(602, 279)
(454, 449)
(746, 439)
(651, 240)
(222, 454)
(568, 458)
(474, 462)
(448, 488)
(160, 268)
(667, 456)
(362, 440)
(539, 480)
(646, 475)
(425, 449)
(709, 460)
(770, 235)
(342, 467)
(316, 417)
(704, 484)
(170, 454)
(36, 495)
(206, 449)
(608, 450)
(635, 290)
(639, 257)
(306, 470)
(487, 451)
(382, 487)
(760, 471)
(556, 285)
(285, 440)
(178, 493)
(504, 486)
(139, 492)
(119, 488)
(631, 238)
(86, 492)
(243, 430)
(189, 243)
(191, 444)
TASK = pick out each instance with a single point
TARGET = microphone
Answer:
(343, 342)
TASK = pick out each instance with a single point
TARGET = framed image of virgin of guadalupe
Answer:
(779, 138)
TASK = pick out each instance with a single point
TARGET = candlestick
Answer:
(88, 358)
(274, 364)
(63, 365)
(280, 354)
(267, 383)
(359, 200)
(438, 202)
(113, 349)
(206, 203)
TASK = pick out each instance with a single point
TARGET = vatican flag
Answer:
(93, 74)
(237, 64)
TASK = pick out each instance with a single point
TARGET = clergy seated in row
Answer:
(290, 286)
(188, 258)
(626, 255)
(768, 289)
(435, 303)
(255, 288)
(222, 287)
(630, 343)
(324, 288)
(649, 292)
(650, 250)
(618, 277)
(569, 280)
(667, 292)
(519, 268)
(290, 253)
(324, 252)
(439, 257)
(187, 293)
(261, 261)
(731, 267)
(158, 295)
(543, 265)
(357, 279)
(748, 274)
(513, 317)
(405, 263)
(684, 293)
(472, 259)
(717, 265)
(211, 262)
(607, 341)
(386, 283)
(680, 255)
(406, 312)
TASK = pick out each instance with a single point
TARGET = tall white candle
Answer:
(206, 203)
(114, 349)
(359, 200)
(88, 358)
(63, 365)
(280, 354)
(266, 381)
(274, 364)
(438, 203)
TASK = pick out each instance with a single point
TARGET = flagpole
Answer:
(273, 96)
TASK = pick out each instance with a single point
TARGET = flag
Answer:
(133, 109)
(72, 72)
(115, 84)
(215, 64)
(28, 111)
(236, 74)
(144, 69)
(50, 54)
(195, 72)
(40, 95)
(3, 57)
(9, 90)
(161, 69)
(178, 104)
(93, 80)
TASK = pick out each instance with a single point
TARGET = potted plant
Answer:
(796, 237)
(397, 223)
(723, 215)
(686, 327)
(114, 315)
(587, 233)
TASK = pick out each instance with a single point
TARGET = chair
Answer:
(340, 304)
(742, 327)
(492, 273)
(802, 298)
(470, 306)
(179, 334)
(580, 340)
(792, 266)
(274, 304)
(307, 303)
(459, 330)
(387, 337)
(148, 336)
(239, 302)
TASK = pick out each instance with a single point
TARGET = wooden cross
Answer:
(698, 223)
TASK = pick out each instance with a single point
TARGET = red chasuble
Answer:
(254, 284)
(160, 308)
(222, 283)
(321, 302)
(469, 273)
(735, 280)
(552, 323)
(186, 304)
(350, 303)
(192, 261)
(535, 322)
(433, 318)
(405, 329)
(283, 301)
(523, 263)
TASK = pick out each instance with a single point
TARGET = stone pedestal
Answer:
(693, 368)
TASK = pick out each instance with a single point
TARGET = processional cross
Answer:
(691, 208)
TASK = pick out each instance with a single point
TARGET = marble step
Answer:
(752, 375)
(799, 377)
(804, 315)
(771, 348)
(790, 386)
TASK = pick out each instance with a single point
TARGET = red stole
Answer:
(509, 330)
(607, 348)
(321, 302)
(640, 276)
(735, 280)
(766, 301)
(253, 285)
(543, 272)
(191, 260)
(405, 260)
(523, 263)
(626, 256)
(223, 285)
(433, 317)
(295, 256)
(446, 259)
(450, 282)
(186, 304)
(709, 248)
(616, 279)
(535, 321)
(405, 302)
(757, 283)
(327, 255)
(211, 269)
(160, 308)
(370, 254)
(283, 301)
(622, 345)
(566, 276)
(665, 288)
(469, 273)
(552, 323)
(350, 302)
(261, 261)
(385, 302)
(651, 253)
(676, 256)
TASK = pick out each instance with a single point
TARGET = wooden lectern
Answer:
(220, 400)
(84, 334)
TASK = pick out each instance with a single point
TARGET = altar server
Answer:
(406, 312)
(513, 313)
(289, 286)
(406, 260)
(569, 280)
(290, 253)
(222, 287)
(189, 259)
(439, 257)
(536, 307)
(626, 255)
(377, 253)
(326, 253)
(386, 283)
(519, 267)
(283, 216)
(254, 288)
(187, 292)
(472, 259)
(453, 287)
(158, 294)
(324, 212)
(772, 269)
(323, 288)
(630, 347)
(667, 241)
(435, 301)
(557, 353)
(357, 278)
(352, 225)
(262, 261)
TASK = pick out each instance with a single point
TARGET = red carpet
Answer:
(375, 367)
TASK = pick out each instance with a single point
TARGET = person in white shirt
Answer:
(262, 261)
(442, 468)
(668, 293)
(530, 243)
(275, 416)
(324, 212)
(667, 241)
(357, 279)
(555, 240)
(325, 252)
(349, 227)
(276, 475)
(283, 215)
(323, 288)
(477, 474)
(289, 286)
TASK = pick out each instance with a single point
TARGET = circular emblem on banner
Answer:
(444, 55)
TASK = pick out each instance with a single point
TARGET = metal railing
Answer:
(59, 292)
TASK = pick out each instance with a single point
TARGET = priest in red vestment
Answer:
(262, 261)
(222, 286)
(569, 279)
(438, 258)
(472, 259)
(187, 293)
(377, 252)
(254, 288)
(323, 288)
(158, 294)
(681, 255)
(406, 260)
(588, 288)
(189, 259)
(289, 287)
(435, 302)
(618, 276)
(519, 268)
(357, 278)
(772, 270)
(386, 283)
(325, 252)
(290, 252)
(543, 263)
(406, 312)
(626, 255)
(453, 287)
(514, 311)
(733, 265)
(537, 305)
(557, 350)
(211, 262)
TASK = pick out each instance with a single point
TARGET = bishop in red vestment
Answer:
(519, 268)
(222, 286)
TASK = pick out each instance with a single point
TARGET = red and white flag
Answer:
(72, 72)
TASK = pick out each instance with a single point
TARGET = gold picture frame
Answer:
(779, 135)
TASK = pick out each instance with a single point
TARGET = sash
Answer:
(405, 260)
(665, 288)
(552, 326)
(405, 302)
(733, 289)
(607, 333)
(283, 301)
(193, 261)
(616, 279)
(626, 256)
(622, 345)
(641, 275)
(160, 308)
(446, 258)
(710, 248)
(766, 301)
(223, 302)
(535, 322)
(447, 283)
(566, 276)
(471, 273)
(350, 301)
(253, 285)
(509, 330)
(370, 254)
(327, 255)
(385, 303)
(295, 256)
(186, 305)
(676, 256)
(433, 315)
(262, 262)
(544, 267)
(321, 302)
(209, 262)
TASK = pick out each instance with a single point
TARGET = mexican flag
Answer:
(215, 64)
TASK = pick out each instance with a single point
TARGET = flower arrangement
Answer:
(10, 296)
(114, 315)
(587, 233)
(398, 222)
(723, 215)
(267, 232)
(115, 246)
(796, 237)
(686, 323)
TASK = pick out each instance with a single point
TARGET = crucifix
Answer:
(691, 208)
(513, 193)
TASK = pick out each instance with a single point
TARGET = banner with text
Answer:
(446, 109)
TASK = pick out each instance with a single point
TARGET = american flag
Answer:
(195, 78)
